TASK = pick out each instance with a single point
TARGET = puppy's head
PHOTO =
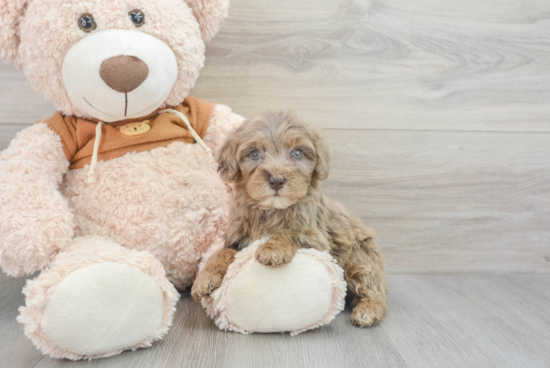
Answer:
(276, 158)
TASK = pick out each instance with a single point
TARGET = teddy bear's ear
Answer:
(209, 14)
(11, 12)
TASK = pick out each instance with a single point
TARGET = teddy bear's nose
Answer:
(124, 73)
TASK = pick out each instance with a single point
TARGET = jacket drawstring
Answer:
(91, 173)
(191, 130)
(93, 164)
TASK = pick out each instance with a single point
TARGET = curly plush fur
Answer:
(158, 212)
(182, 25)
(31, 170)
(172, 204)
(176, 218)
(295, 215)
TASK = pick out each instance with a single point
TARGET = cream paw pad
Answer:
(305, 294)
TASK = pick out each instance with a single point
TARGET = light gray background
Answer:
(438, 112)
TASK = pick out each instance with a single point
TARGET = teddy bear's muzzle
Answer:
(128, 75)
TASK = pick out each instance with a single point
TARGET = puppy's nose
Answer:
(276, 182)
(124, 73)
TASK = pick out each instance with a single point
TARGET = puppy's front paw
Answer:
(275, 254)
(367, 313)
(205, 284)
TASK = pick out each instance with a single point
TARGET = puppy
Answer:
(275, 162)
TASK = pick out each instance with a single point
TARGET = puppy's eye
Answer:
(255, 155)
(297, 154)
(87, 23)
(137, 17)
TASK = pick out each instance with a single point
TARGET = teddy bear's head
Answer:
(109, 59)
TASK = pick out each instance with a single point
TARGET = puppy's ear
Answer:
(227, 159)
(322, 167)
(11, 12)
(209, 14)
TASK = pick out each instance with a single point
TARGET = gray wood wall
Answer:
(438, 112)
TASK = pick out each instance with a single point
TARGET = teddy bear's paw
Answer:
(305, 294)
(275, 254)
(103, 308)
(367, 313)
(206, 283)
(98, 299)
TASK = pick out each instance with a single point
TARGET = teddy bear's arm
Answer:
(222, 123)
(35, 220)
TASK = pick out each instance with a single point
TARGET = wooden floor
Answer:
(434, 321)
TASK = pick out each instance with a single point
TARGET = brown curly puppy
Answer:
(276, 162)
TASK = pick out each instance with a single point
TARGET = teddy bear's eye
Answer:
(137, 17)
(87, 23)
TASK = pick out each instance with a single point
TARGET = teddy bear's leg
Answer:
(97, 300)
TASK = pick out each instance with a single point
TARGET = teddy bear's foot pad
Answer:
(306, 293)
(101, 308)
(98, 299)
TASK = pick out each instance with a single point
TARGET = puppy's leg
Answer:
(278, 250)
(211, 276)
(364, 273)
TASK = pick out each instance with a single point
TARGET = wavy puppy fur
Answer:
(276, 161)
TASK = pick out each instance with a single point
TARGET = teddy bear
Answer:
(115, 199)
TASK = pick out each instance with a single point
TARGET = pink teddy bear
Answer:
(139, 211)
(116, 199)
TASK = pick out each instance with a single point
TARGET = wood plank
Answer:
(387, 64)
(452, 320)
(15, 349)
(448, 201)
(467, 321)
(472, 202)
(8, 132)
(19, 104)
(445, 201)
